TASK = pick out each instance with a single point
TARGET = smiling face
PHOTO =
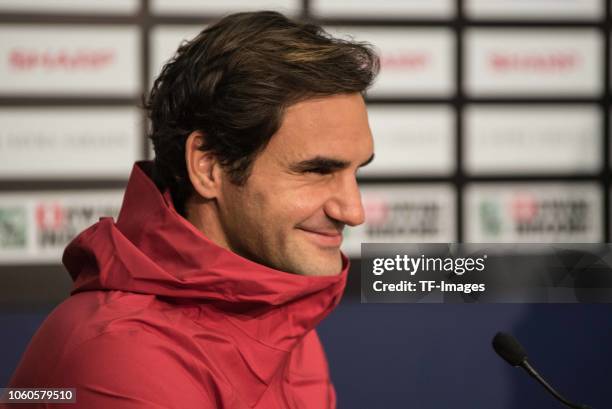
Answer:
(302, 190)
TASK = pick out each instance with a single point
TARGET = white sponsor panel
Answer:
(414, 61)
(165, 41)
(533, 213)
(548, 62)
(411, 140)
(389, 9)
(36, 227)
(70, 6)
(532, 139)
(190, 7)
(69, 142)
(403, 214)
(69, 60)
(534, 9)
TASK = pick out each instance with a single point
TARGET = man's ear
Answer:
(202, 166)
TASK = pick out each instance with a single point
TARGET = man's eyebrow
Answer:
(321, 162)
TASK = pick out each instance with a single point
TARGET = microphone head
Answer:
(509, 348)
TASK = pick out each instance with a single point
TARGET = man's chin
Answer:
(322, 265)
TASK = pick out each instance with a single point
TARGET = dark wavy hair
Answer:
(233, 82)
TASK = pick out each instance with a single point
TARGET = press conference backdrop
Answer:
(491, 121)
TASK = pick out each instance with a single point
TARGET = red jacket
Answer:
(161, 317)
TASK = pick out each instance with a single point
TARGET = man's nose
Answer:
(344, 204)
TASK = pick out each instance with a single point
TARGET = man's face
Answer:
(302, 190)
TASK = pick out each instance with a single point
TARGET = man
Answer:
(206, 291)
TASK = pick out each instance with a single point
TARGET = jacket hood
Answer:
(151, 249)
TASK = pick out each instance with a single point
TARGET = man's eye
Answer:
(319, 171)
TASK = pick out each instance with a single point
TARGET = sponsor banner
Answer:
(412, 140)
(403, 213)
(389, 9)
(165, 41)
(69, 60)
(487, 273)
(35, 227)
(535, 9)
(533, 213)
(70, 143)
(532, 139)
(190, 7)
(548, 62)
(414, 61)
(70, 6)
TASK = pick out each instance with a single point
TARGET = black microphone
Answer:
(509, 348)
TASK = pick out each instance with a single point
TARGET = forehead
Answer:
(329, 126)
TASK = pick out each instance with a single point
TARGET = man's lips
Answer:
(325, 238)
